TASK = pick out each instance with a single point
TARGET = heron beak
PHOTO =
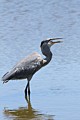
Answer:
(55, 42)
(49, 39)
(50, 42)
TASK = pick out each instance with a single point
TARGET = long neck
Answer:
(48, 58)
(48, 55)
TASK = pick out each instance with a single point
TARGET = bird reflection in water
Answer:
(26, 113)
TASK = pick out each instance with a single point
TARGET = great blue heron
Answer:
(27, 67)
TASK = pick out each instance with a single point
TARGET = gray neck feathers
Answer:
(46, 51)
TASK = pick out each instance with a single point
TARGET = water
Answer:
(55, 89)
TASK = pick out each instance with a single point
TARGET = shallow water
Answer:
(55, 89)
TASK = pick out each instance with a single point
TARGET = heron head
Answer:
(50, 42)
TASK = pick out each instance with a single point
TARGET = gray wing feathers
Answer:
(26, 67)
(8, 76)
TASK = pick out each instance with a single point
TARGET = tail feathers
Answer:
(5, 77)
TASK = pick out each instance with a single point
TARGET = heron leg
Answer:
(29, 89)
(26, 89)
